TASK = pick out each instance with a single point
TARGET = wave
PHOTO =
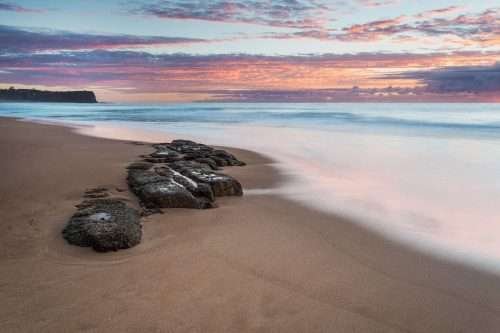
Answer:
(431, 116)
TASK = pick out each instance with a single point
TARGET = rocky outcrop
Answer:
(166, 189)
(191, 151)
(220, 184)
(33, 95)
(105, 225)
(182, 174)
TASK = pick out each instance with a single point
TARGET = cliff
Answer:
(33, 95)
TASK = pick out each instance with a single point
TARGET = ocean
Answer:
(427, 175)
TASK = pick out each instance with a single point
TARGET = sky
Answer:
(256, 50)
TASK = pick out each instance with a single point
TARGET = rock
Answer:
(187, 146)
(220, 162)
(208, 161)
(221, 185)
(180, 165)
(199, 190)
(150, 211)
(96, 190)
(181, 174)
(138, 178)
(229, 158)
(164, 155)
(164, 151)
(167, 194)
(105, 225)
(196, 151)
(140, 165)
(204, 191)
(96, 193)
(166, 188)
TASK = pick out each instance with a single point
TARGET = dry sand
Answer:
(256, 263)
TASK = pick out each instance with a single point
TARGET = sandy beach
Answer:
(256, 263)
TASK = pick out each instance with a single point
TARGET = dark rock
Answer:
(96, 190)
(154, 160)
(199, 190)
(180, 165)
(167, 194)
(181, 174)
(196, 151)
(208, 161)
(138, 178)
(141, 165)
(166, 188)
(229, 158)
(96, 195)
(204, 191)
(164, 155)
(220, 161)
(221, 185)
(187, 146)
(104, 225)
(151, 211)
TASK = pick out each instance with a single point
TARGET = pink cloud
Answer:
(305, 14)
(326, 75)
(439, 12)
(479, 28)
(377, 3)
(16, 40)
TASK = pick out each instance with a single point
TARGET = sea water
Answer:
(424, 174)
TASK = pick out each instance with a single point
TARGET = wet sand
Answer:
(256, 263)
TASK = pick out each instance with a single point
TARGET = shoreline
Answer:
(257, 262)
(126, 132)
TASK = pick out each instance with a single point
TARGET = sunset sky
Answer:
(257, 50)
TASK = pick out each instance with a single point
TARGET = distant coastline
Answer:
(34, 95)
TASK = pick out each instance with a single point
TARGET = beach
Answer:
(256, 263)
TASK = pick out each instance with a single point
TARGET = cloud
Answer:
(374, 30)
(7, 6)
(142, 72)
(303, 14)
(439, 12)
(479, 28)
(15, 40)
(472, 79)
(377, 3)
(464, 30)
